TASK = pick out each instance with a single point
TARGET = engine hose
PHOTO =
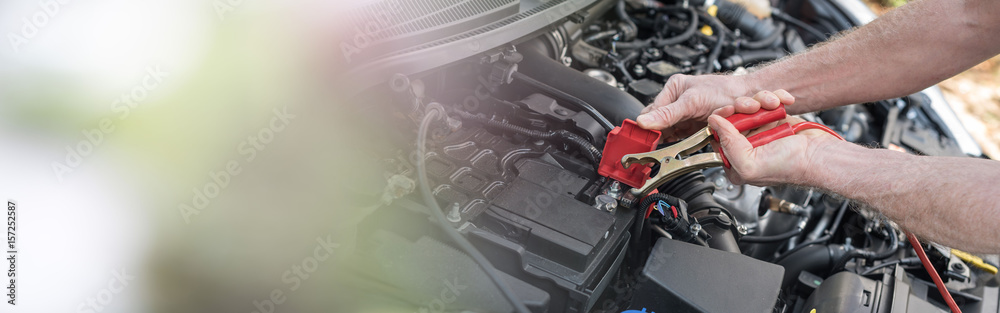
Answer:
(738, 17)
(820, 36)
(868, 254)
(829, 234)
(814, 259)
(589, 150)
(701, 205)
(691, 29)
(580, 104)
(600, 35)
(720, 30)
(623, 16)
(607, 104)
(767, 41)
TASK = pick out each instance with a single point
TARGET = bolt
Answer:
(742, 229)
(454, 215)
(695, 229)
(561, 112)
(720, 182)
(956, 266)
(639, 70)
(614, 189)
(567, 61)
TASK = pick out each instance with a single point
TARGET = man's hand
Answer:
(784, 161)
(686, 102)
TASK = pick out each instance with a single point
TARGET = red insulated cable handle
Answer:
(763, 138)
(745, 122)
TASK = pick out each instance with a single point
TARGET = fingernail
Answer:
(644, 119)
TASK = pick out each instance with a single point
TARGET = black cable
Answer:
(799, 23)
(773, 238)
(824, 238)
(906, 261)
(580, 104)
(435, 111)
(589, 150)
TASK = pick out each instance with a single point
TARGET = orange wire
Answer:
(810, 125)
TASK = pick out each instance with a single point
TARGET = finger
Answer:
(671, 91)
(736, 146)
(661, 117)
(768, 100)
(725, 111)
(745, 105)
(785, 97)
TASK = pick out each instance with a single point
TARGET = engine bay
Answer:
(493, 158)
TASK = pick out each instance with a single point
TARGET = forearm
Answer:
(952, 201)
(902, 52)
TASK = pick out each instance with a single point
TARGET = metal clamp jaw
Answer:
(675, 160)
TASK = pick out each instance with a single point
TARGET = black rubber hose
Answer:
(605, 103)
(691, 29)
(824, 238)
(435, 111)
(773, 238)
(579, 104)
(868, 254)
(738, 17)
(749, 57)
(767, 41)
(814, 259)
(600, 35)
(589, 150)
(799, 23)
(623, 16)
(701, 205)
(720, 31)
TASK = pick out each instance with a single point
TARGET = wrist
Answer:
(824, 162)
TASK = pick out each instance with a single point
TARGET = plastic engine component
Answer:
(682, 277)
(627, 139)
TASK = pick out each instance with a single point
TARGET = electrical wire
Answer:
(434, 112)
(905, 261)
(934, 274)
(810, 125)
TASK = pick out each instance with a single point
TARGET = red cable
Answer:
(810, 125)
(934, 274)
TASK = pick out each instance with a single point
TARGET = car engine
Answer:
(499, 113)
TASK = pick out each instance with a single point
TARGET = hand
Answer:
(686, 102)
(784, 161)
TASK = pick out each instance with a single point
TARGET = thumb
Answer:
(736, 146)
(660, 118)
